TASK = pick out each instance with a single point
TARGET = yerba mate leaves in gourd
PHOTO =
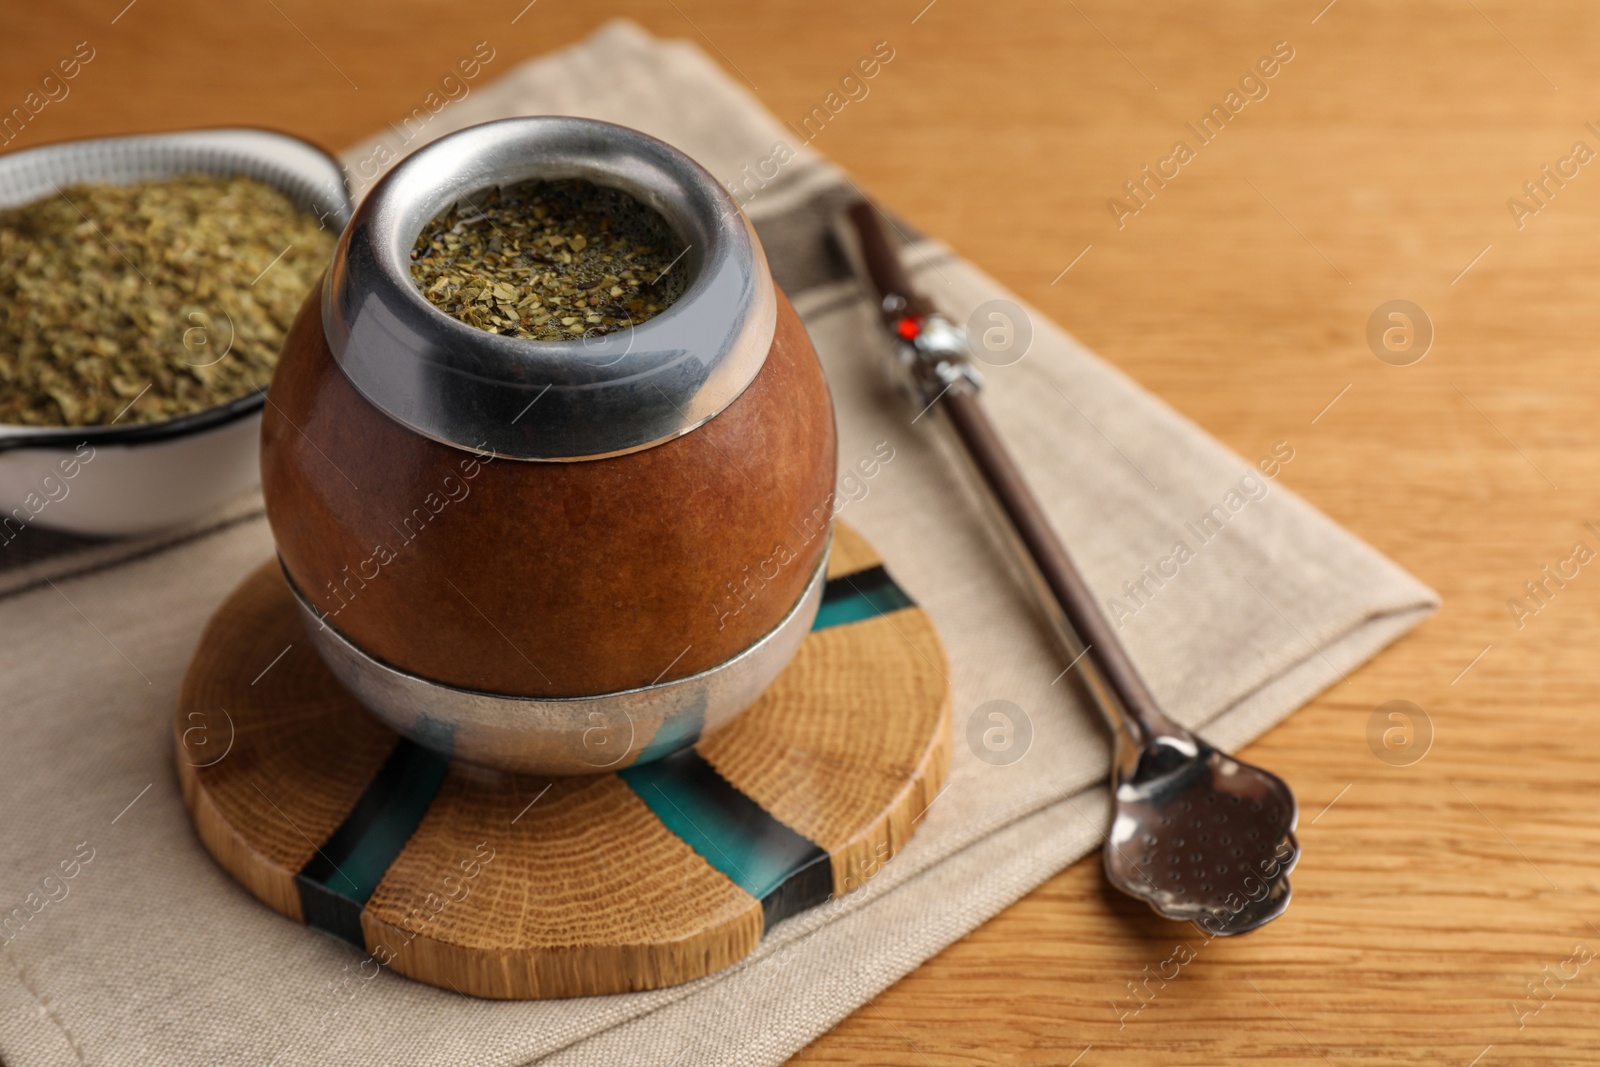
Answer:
(172, 295)
(550, 261)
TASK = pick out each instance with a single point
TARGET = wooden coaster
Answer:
(514, 886)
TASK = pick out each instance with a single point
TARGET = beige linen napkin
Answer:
(151, 954)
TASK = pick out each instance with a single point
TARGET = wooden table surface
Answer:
(1446, 911)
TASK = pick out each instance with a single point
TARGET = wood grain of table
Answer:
(1439, 904)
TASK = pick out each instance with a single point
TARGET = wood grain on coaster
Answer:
(512, 886)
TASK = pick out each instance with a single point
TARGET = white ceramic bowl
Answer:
(140, 477)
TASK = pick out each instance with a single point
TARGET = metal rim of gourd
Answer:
(549, 400)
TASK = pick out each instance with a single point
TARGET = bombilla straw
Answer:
(1197, 834)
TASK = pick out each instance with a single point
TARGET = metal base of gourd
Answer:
(562, 735)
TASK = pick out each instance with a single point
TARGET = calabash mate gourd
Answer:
(517, 549)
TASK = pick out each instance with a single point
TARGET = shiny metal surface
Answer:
(564, 736)
(1197, 835)
(557, 400)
